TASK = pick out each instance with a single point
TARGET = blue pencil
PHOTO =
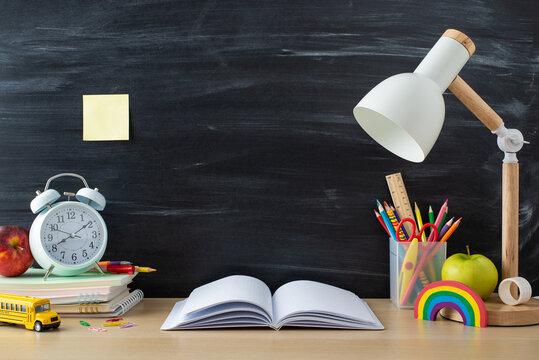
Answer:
(389, 226)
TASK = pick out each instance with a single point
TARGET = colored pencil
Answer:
(451, 230)
(431, 218)
(431, 215)
(145, 269)
(419, 222)
(430, 268)
(398, 220)
(105, 263)
(387, 221)
(423, 278)
(395, 222)
(438, 221)
(445, 228)
(379, 217)
(442, 223)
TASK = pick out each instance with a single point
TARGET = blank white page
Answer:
(235, 288)
(305, 296)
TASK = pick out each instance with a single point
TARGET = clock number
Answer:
(81, 232)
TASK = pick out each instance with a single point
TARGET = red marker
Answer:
(119, 269)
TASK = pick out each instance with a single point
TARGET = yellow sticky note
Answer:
(105, 117)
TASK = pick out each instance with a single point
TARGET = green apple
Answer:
(476, 271)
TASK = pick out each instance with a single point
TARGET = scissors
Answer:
(414, 226)
(410, 259)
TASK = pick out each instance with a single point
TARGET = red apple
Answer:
(15, 254)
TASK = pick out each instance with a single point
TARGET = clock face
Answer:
(72, 234)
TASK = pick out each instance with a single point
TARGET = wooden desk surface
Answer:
(404, 338)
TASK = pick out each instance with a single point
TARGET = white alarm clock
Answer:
(68, 237)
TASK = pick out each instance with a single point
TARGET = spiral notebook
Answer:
(116, 307)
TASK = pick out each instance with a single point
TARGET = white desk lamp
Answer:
(405, 113)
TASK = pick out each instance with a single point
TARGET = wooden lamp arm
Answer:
(510, 188)
(475, 104)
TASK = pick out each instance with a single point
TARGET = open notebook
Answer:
(238, 301)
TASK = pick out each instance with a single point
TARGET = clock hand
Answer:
(63, 240)
(67, 233)
(82, 227)
(71, 236)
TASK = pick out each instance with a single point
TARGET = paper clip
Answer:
(128, 325)
(116, 323)
(96, 329)
(114, 320)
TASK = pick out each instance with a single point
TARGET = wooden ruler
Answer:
(400, 199)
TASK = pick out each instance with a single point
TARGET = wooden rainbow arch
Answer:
(455, 295)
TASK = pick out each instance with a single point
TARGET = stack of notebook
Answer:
(90, 294)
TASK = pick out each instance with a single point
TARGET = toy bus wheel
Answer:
(38, 326)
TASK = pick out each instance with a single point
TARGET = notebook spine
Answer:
(127, 303)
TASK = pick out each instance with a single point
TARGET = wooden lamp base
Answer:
(500, 314)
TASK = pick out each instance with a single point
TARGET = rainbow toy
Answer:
(462, 298)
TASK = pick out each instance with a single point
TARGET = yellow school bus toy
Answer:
(32, 312)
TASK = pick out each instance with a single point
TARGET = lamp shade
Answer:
(404, 114)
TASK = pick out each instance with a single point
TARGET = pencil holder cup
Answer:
(413, 266)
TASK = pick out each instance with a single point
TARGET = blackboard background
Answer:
(244, 155)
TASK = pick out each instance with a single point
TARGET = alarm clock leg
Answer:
(48, 273)
(96, 265)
